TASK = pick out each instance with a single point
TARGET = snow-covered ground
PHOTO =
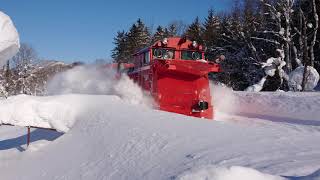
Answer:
(255, 136)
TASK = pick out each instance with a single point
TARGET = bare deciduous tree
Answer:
(23, 66)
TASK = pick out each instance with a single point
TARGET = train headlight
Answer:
(165, 41)
(195, 55)
(194, 44)
(158, 53)
(203, 105)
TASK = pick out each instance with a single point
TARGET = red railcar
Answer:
(175, 73)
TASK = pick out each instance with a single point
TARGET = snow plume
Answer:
(97, 80)
(223, 100)
(232, 173)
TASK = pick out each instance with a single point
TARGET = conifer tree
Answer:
(211, 30)
(138, 37)
(159, 34)
(128, 43)
(120, 52)
(194, 31)
(171, 30)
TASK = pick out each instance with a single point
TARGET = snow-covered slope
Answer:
(274, 133)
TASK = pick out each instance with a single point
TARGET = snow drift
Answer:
(9, 39)
(296, 78)
(57, 112)
(112, 139)
(232, 173)
(283, 106)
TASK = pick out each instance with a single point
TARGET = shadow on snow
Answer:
(35, 135)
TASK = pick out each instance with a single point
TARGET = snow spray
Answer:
(97, 81)
(223, 100)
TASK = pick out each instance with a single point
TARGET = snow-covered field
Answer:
(255, 136)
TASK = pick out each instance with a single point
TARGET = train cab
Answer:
(175, 74)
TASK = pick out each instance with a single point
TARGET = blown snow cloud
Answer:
(99, 81)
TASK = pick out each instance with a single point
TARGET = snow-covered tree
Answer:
(120, 53)
(194, 31)
(138, 36)
(23, 69)
(127, 43)
(175, 28)
(211, 32)
(159, 34)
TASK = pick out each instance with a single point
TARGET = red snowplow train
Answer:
(175, 73)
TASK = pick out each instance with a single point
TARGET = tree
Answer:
(211, 31)
(138, 37)
(308, 23)
(6, 81)
(23, 69)
(194, 31)
(159, 34)
(3, 83)
(120, 53)
(127, 43)
(176, 28)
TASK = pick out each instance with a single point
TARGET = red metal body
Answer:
(176, 75)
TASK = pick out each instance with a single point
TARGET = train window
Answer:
(191, 55)
(146, 59)
(163, 53)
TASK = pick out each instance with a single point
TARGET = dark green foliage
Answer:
(159, 34)
(120, 52)
(127, 43)
(211, 33)
(194, 31)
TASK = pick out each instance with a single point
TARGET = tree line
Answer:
(249, 34)
(25, 73)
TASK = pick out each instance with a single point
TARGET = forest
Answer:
(263, 41)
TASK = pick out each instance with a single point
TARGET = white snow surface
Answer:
(232, 173)
(265, 136)
(257, 87)
(9, 39)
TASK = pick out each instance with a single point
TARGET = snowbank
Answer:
(232, 173)
(57, 112)
(112, 139)
(61, 112)
(296, 78)
(284, 106)
(9, 39)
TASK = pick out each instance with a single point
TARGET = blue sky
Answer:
(83, 30)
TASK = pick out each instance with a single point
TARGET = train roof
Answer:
(178, 43)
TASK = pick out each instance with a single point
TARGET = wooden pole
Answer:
(28, 136)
